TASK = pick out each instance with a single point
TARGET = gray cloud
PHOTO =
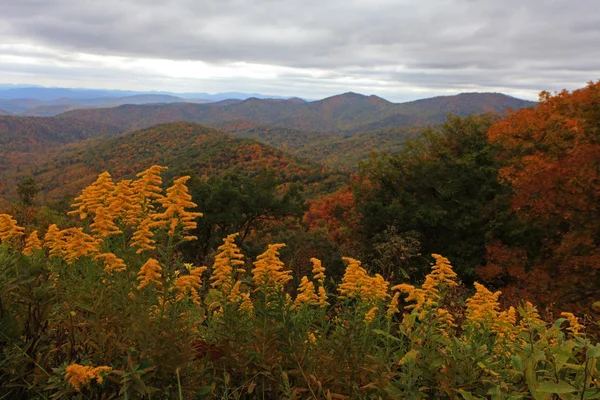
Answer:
(521, 46)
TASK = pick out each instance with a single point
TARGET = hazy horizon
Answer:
(400, 50)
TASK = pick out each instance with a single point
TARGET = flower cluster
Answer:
(268, 273)
(356, 283)
(81, 375)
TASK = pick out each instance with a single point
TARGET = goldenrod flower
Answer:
(530, 318)
(370, 316)
(80, 375)
(235, 295)
(149, 273)
(574, 326)
(143, 237)
(104, 224)
(312, 339)
(188, 284)
(268, 272)
(318, 270)
(124, 203)
(53, 240)
(175, 204)
(446, 320)
(112, 263)
(9, 230)
(482, 308)
(95, 196)
(74, 243)
(414, 294)
(322, 297)
(246, 304)
(306, 293)
(32, 243)
(357, 283)
(226, 265)
(147, 187)
(393, 306)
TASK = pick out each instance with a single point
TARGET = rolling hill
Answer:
(182, 146)
(342, 115)
(4, 112)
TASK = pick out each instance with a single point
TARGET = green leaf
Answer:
(558, 388)
(204, 390)
(386, 334)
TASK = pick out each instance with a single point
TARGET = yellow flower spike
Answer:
(393, 306)
(74, 243)
(95, 196)
(357, 283)
(234, 296)
(9, 230)
(370, 316)
(124, 203)
(149, 273)
(322, 297)
(246, 305)
(175, 204)
(482, 308)
(32, 243)
(143, 237)
(80, 375)
(318, 270)
(188, 284)
(312, 339)
(147, 187)
(228, 259)
(104, 224)
(268, 272)
(574, 326)
(306, 294)
(112, 263)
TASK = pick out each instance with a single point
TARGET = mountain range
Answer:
(336, 132)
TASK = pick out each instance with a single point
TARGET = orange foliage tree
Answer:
(552, 156)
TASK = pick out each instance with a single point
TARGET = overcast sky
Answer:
(398, 49)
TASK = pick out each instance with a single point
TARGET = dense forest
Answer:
(342, 249)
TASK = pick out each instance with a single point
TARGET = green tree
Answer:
(443, 186)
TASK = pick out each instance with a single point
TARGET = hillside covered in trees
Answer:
(459, 260)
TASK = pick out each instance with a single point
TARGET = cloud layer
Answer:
(400, 49)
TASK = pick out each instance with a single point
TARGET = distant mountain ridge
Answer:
(182, 147)
(343, 115)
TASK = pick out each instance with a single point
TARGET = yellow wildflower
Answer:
(322, 297)
(143, 237)
(246, 304)
(80, 375)
(504, 325)
(95, 196)
(312, 339)
(357, 283)
(112, 263)
(9, 230)
(53, 240)
(104, 224)
(76, 243)
(530, 318)
(574, 326)
(318, 270)
(175, 214)
(234, 296)
(482, 308)
(370, 316)
(32, 243)
(268, 272)
(149, 273)
(147, 187)
(306, 293)
(446, 320)
(393, 306)
(188, 284)
(414, 294)
(124, 203)
(226, 264)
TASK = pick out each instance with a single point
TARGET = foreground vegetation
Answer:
(107, 308)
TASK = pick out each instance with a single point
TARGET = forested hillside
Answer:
(184, 147)
(344, 114)
(194, 264)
